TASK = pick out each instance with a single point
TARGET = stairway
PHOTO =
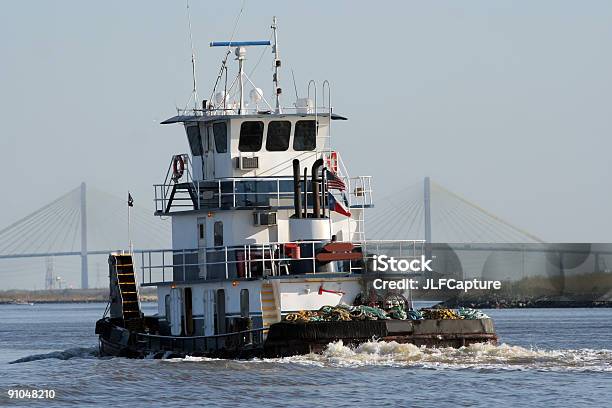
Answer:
(270, 306)
(128, 290)
(182, 192)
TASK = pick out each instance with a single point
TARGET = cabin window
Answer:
(218, 233)
(305, 136)
(244, 303)
(251, 136)
(278, 136)
(195, 141)
(220, 132)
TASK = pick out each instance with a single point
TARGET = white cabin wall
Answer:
(196, 167)
(185, 231)
(239, 229)
(232, 295)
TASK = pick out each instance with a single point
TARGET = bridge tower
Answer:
(427, 208)
(49, 278)
(84, 272)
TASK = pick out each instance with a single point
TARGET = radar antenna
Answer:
(194, 92)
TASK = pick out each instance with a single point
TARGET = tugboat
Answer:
(269, 256)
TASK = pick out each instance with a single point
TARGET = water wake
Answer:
(475, 356)
(77, 352)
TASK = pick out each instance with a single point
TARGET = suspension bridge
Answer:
(433, 213)
(64, 235)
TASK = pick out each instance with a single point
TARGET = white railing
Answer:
(234, 193)
(262, 260)
(162, 191)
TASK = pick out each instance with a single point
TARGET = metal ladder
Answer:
(128, 288)
(270, 307)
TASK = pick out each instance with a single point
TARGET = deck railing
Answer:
(261, 260)
(242, 340)
(228, 193)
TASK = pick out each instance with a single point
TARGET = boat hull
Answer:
(294, 338)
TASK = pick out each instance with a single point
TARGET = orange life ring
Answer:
(178, 166)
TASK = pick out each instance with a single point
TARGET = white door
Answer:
(209, 154)
(176, 308)
(202, 247)
(209, 312)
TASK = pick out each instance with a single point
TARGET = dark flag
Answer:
(130, 200)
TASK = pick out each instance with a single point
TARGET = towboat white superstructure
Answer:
(266, 221)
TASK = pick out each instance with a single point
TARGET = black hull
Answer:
(290, 338)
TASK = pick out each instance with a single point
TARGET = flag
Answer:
(130, 200)
(337, 206)
(334, 182)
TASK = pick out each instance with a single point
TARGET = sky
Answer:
(508, 103)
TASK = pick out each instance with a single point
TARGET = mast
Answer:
(277, 64)
(240, 53)
(241, 56)
(194, 92)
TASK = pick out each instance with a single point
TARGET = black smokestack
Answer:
(315, 188)
(297, 203)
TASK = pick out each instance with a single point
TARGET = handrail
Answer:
(359, 191)
(320, 110)
(250, 261)
(159, 336)
(243, 340)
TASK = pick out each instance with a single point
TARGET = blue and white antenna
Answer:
(238, 43)
(240, 57)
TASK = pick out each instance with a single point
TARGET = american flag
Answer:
(334, 182)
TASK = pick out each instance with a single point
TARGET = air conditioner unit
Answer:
(247, 163)
(264, 218)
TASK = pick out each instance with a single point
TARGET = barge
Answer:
(269, 254)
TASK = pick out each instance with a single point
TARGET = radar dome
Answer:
(256, 95)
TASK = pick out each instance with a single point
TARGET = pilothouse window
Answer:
(220, 132)
(278, 136)
(195, 141)
(305, 136)
(251, 136)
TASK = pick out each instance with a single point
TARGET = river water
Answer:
(547, 357)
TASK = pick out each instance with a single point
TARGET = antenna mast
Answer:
(194, 92)
(277, 64)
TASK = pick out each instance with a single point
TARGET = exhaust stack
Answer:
(297, 203)
(315, 189)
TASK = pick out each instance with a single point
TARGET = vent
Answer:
(264, 218)
(247, 163)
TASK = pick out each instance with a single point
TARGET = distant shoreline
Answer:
(66, 296)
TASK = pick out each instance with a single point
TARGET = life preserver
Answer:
(178, 166)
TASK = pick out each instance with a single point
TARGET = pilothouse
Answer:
(267, 225)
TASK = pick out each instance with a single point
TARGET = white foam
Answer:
(475, 356)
